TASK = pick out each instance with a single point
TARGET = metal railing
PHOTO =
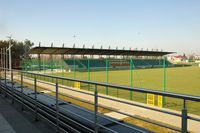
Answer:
(6, 74)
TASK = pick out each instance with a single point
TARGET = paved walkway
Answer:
(5, 126)
(129, 109)
(13, 120)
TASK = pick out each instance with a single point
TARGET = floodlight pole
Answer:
(5, 62)
(4, 59)
(6, 54)
(1, 57)
(10, 56)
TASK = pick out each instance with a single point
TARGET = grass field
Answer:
(179, 80)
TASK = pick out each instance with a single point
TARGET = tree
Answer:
(27, 46)
(19, 50)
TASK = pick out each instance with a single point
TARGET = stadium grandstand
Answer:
(83, 63)
(82, 59)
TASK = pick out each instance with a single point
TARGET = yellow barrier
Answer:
(150, 99)
(160, 101)
(77, 85)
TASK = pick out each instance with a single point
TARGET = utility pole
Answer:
(6, 54)
(4, 50)
(10, 55)
(2, 57)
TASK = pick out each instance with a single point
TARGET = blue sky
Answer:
(172, 25)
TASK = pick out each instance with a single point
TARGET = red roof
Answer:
(179, 56)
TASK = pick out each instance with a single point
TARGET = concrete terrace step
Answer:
(75, 113)
(13, 120)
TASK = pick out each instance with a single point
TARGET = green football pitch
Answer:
(179, 80)
(185, 80)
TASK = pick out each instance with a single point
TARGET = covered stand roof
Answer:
(91, 51)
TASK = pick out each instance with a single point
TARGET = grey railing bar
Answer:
(130, 127)
(143, 119)
(53, 111)
(106, 128)
(88, 102)
(142, 106)
(35, 90)
(57, 108)
(60, 86)
(193, 118)
(53, 122)
(169, 94)
(76, 90)
(81, 116)
(20, 101)
(183, 115)
(96, 109)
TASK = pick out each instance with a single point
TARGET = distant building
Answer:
(197, 57)
(176, 59)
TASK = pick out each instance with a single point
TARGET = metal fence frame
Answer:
(184, 115)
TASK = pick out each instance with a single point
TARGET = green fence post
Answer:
(131, 77)
(74, 68)
(164, 79)
(52, 67)
(31, 65)
(43, 67)
(62, 66)
(88, 73)
(106, 75)
(39, 62)
(45, 64)
(24, 64)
